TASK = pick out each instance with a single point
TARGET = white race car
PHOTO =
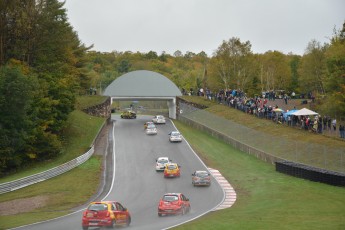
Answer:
(175, 136)
(158, 119)
(161, 162)
(151, 129)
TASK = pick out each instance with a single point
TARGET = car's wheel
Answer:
(128, 222)
(85, 227)
(159, 214)
(112, 225)
(183, 211)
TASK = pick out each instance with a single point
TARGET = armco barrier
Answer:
(42, 176)
(310, 173)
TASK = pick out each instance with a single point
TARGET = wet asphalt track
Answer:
(138, 186)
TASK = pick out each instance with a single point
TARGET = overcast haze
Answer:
(202, 25)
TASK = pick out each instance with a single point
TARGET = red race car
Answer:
(173, 203)
(105, 213)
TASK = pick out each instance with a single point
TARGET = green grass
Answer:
(64, 192)
(266, 199)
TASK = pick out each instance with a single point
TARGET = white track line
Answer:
(230, 194)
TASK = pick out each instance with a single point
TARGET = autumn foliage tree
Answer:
(40, 70)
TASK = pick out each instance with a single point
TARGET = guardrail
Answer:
(42, 176)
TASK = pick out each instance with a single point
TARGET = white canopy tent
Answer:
(304, 112)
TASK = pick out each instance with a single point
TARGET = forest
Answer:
(44, 67)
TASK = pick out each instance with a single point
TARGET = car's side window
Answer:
(113, 207)
(119, 207)
(183, 197)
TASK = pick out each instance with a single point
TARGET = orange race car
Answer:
(172, 170)
(105, 214)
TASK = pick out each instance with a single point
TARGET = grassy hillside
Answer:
(266, 126)
(266, 199)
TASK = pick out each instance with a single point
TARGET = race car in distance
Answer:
(161, 162)
(172, 170)
(173, 203)
(158, 119)
(201, 177)
(128, 115)
(151, 129)
(105, 214)
(175, 136)
(148, 123)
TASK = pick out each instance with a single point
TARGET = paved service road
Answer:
(138, 186)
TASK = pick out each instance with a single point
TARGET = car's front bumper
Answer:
(202, 183)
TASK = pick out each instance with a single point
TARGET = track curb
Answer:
(229, 191)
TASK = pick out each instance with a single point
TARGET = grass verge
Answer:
(61, 194)
(266, 199)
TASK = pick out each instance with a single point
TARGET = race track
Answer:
(138, 186)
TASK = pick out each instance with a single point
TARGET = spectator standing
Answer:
(329, 121)
(289, 120)
(324, 121)
(334, 124)
(342, 131)
(285, 99)
(319, 127)
(315, 125)
(319, 123)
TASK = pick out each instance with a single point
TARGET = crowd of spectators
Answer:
(260, 107)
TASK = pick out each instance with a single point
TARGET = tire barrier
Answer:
(310, 173)
(42, 176)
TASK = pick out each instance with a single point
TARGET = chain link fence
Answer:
(264, 146)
